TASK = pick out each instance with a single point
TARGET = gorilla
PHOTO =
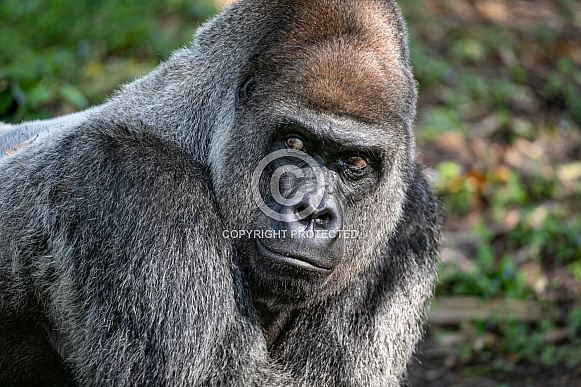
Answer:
(250, 213)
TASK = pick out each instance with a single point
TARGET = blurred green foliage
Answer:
(63, 55)
(490, 277)
(495, 98)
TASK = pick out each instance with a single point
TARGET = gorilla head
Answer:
(342, 95)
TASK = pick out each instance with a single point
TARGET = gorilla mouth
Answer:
(299, 262)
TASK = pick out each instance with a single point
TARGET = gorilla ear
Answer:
(245, 89)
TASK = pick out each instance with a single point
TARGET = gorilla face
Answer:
(329, 125)
(328, 189)
(308, 193)
(310, 188)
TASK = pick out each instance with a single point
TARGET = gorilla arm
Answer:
(117, 249)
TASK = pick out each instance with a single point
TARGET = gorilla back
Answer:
(290, 120)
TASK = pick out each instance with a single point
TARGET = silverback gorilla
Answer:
(119, 263)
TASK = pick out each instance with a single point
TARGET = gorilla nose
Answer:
(309, 216)
(325, 218)
(312, 235)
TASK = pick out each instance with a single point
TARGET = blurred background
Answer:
(498, 125)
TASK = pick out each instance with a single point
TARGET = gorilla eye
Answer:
(295, 143)
(357, 162)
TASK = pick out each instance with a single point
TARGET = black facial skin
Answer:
(306, 249)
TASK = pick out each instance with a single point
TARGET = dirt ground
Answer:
(431, 369)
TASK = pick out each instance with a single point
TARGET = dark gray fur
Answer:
(113, 268)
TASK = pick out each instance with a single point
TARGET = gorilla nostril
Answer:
(322, 219)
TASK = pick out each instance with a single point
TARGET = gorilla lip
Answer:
(299, 262)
